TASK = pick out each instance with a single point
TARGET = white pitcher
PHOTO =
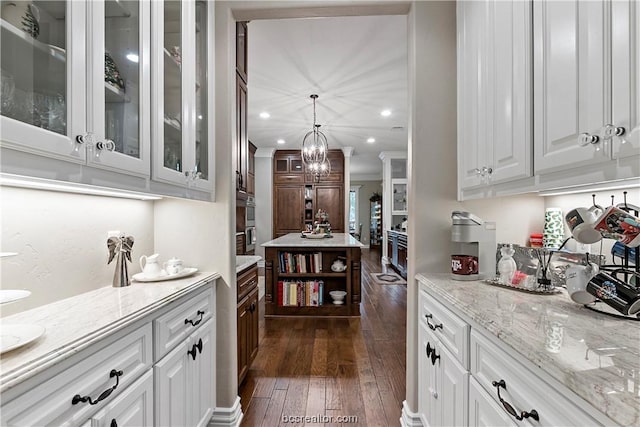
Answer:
(150, 267)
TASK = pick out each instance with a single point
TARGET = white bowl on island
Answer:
(338, 297)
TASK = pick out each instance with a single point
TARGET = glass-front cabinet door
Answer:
(42, 76)
(118, 117)
(182, 112)
(204, 123)
(399, 203)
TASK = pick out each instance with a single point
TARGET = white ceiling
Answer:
(357, 66)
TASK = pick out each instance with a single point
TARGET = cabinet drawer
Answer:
(523, 390)
(247, 280)
(175, 326)
(132, 408)
(484, 411)
(50, 403)
(452, 331)
(285, 179)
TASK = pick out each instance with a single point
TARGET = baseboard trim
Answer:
(408, 418)
(227, 417)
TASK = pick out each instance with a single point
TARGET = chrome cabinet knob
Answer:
(609, 131)
(107, 145)
(587, 139)
(85, 138)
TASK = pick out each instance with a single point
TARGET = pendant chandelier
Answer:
(314, 145)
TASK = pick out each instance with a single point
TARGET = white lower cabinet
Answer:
(74, 394)
(483, 410)
(467, 378)
(119, 381)
(443, 380)
(184, 381)
(134, 407)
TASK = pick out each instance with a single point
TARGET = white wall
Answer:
(264, 198)
(567, 202)
(61, 239)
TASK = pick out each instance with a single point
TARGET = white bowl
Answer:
(338, 296)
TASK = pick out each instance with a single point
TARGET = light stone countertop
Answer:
(339, 240)
(599, 358)
(75, 323)
(245, 261)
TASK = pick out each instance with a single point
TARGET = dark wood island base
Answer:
(300, 266)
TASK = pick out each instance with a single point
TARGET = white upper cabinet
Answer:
(43, 76)
(625, 70)
(182, 107)
(494, 92)
(571, 83)
(124, 87)
(118, 73)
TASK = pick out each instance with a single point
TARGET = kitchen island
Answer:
(571, 365)
(299, 275)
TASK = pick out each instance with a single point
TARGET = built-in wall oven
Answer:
(250, 225)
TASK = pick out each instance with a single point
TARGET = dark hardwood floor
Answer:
(332, 368)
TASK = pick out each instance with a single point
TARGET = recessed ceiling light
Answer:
(281, 141)
(264, 115)
(371, 140)
(385, 113)
(199, 116)
(133, 57)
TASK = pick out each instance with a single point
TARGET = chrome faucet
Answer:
(120, 249)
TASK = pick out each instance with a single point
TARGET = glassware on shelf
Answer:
(8, 91)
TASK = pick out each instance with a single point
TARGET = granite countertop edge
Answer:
(611, 406)
(31, 366)
(246, 261)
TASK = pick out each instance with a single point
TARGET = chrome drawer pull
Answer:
(507, 406)
(197, 322)
(78, 399)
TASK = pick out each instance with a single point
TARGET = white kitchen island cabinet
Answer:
(104, 371)
(91, 119)
(523, 349)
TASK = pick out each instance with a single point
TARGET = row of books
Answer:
(300, 262)
(300, 293)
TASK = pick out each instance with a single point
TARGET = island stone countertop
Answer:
(599, 358)
(75, 323)
(338, 240)
(245, 261)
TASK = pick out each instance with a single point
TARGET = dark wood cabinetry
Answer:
(276, 275)
(288, 201)
(251, 170)
(298, 195)
(240, 243)
(241, 49)
(242, 145)
(247, 312)
(242, 142)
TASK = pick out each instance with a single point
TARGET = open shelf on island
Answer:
(284, 269)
